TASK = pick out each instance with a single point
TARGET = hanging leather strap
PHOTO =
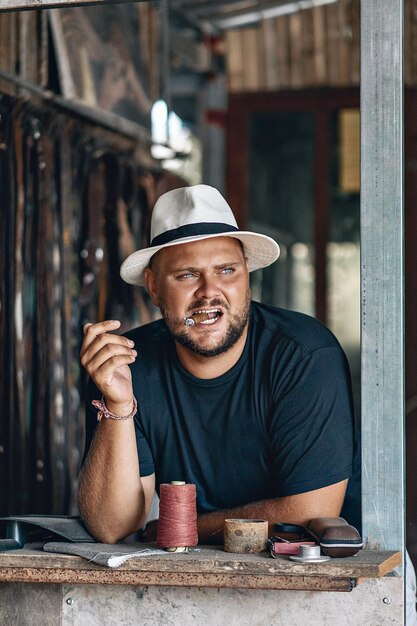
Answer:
(18, 426)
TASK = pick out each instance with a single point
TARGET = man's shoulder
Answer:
(293, 327)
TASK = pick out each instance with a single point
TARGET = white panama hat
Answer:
(190, 214)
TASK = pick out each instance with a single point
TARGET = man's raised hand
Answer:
(106, 358)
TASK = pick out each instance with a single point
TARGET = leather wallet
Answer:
(334, 535)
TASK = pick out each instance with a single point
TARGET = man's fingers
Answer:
(92, 331)
(108, 353)
(105, 372)
(111, 344)
(103, 353)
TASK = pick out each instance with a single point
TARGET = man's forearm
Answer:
(111, 496)
(299, 509)
(210, 525)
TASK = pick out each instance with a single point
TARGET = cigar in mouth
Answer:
(202, 316)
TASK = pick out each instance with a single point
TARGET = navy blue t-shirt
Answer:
(280, 422)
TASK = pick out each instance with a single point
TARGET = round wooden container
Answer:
(245, 536)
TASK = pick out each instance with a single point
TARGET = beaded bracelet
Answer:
(104, 411)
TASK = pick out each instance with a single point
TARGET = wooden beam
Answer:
(13, 5)
(99, 117)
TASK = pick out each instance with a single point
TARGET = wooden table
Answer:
(67, 585)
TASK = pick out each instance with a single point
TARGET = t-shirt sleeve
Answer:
(311, 426)
(146, 462)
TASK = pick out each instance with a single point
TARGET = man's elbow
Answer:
(105, 536)
(103, 532)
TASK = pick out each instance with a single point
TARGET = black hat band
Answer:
(192, 230)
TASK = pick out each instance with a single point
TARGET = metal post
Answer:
(382, 269)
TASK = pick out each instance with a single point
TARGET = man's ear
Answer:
(150, 282)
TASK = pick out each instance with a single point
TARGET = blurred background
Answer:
(103, 109)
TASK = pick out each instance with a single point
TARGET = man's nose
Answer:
(207, 287)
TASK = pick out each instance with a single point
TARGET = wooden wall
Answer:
(74, 203)
(26, 49)
(75, 200)
(310, 48)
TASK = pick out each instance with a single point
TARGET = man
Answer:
(251, 403)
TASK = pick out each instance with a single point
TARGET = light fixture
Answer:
(159, 122)
(169, 135)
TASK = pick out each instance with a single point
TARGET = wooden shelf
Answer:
(206, 567)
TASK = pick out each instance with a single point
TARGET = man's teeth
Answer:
(209, 321)
(206, 316)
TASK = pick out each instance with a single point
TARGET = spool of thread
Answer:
(245, 536)
(177, 526)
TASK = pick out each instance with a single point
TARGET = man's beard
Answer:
(237, 325)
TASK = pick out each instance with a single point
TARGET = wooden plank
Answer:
(355, 45)
(306, 20)
(250, 59)
(43, 51)
(66, 80)
(319, 41)
(8, 39)
(413, 42)
(234, 58)
(270, 53)
(344, 38)
(207, 560)
(4, 42)
(282, 25)
(4, 46)
(155, 27)
(176, 579)
(262, 57)
(408, 19)
(332, 43)
(148, 41)
(29, 46)
(145, 34)
(349, 151)
(296, 50)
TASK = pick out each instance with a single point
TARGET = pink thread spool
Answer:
(177, 525)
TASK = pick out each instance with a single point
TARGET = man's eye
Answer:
(184, 276)
(228, 270)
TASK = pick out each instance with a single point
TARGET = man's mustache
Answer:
(204, 303)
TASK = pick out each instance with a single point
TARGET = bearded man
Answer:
(251, 403)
